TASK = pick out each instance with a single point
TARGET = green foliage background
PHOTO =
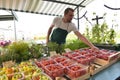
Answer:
(101, 34)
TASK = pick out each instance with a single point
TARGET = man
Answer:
(63, 26)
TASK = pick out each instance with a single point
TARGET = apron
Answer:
(59, 36)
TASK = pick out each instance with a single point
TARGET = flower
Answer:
(4, 43)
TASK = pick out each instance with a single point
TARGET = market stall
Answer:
(77, 64)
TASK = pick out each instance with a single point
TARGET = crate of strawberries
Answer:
(76, 71)
(54, 70)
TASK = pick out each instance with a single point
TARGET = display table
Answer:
(110, 73)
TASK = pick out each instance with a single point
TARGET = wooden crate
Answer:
(101, 61)
(95, 68)
(53, 53)
(110, 59)
(68, 50)
(83, 77)
(8, 63)
(60, 78)
(119, 55)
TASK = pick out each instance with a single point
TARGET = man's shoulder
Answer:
(58, 17)
(72, 24)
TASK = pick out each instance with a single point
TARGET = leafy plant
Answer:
(75, 44)
(111, 37)
(101, 34)
(36, 50)
(52, 46)
(87, 34)
(19, 51)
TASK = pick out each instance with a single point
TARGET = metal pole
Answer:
(15, 30)
(78, 16)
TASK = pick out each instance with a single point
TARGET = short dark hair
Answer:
(67, 10)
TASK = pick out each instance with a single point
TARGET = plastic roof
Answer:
(46, 7)
(7, 15)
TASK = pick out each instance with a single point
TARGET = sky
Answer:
(30, 25)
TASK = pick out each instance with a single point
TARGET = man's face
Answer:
(69, 16)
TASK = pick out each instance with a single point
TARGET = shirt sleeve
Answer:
(74, 28)
(55, 20)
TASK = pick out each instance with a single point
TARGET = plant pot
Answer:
(52, 53)
(118, 47)
(106, 46)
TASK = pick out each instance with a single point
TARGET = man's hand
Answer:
(47, 41)
(95, 49)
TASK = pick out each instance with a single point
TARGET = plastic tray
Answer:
(76, 70)
(54, 70)
(60, 59)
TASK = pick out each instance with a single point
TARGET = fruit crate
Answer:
(67, 63)
(71, 54)
(107, 57)
(46, 77)
(119, 55)
(54, 70)
(8, 63)
(59, 59)
(77, 71)
(3, 77)
(82, 60)
(95, 68)
(18, 76)
(82, 56)
(45, 62)
(83, 77)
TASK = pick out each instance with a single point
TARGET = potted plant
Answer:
(36, 50)
(55, 48)
(102, 37)
(75, 44)
(19, 51)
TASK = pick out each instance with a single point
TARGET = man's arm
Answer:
(85, 40)
(49, 32)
